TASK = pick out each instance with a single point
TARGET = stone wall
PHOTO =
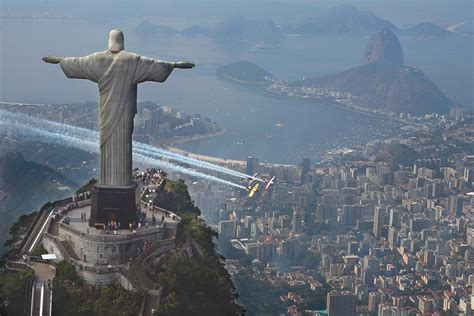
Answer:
(111, 249)
(51, 244)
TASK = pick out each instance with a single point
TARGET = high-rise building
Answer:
(393, 237)
(305, 168)
(297, 221)
(252, 165)
(227, 229)
(458, 113)
(267, 251)
(341, 303)
(156, 119)
(351, 213)
(454, 206)
(378, 221)
(289, 248)
(252, 249)
(394, 220)
(374, 301)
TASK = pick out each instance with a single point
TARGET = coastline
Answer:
(326, 101)
(169, 144)
(219, 160)
(183, 139)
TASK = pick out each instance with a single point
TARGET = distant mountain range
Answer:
(343, 20)
(382, 82)
(426, 29)
(231, 28)
(25, 186)
(349, 21)
(340, 20)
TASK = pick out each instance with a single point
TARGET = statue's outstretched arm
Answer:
(183, 64)
(51, 59)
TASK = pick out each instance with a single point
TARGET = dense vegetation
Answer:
(175, 197)
(88, 186)
(73, 297)
(261, 298)
(13, 287)
(397, 154)
(17, 232)
(198, 285)
(245, 72)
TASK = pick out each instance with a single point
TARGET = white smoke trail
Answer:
(90, 145)
(138, 147)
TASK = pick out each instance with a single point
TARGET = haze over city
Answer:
(288, 157)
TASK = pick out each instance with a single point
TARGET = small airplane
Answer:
(270, 182)
(252, 190)
(252, 178)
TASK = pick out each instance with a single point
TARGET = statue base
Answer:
(109, 203)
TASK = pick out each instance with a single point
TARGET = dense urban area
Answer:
(382, 229)
(386, 227)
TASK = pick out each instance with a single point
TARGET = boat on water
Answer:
(240, 142)
(279, 124)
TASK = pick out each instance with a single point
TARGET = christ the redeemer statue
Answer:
(117, 73)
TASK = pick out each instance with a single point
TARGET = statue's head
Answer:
(116, 41)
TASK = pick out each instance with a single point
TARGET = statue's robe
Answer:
(117, 75)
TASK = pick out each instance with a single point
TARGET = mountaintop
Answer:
(383, 46)
(384, 82)
(395, 88)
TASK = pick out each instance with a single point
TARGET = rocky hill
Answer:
(383, 82)
(245, 72)
(385, 47)
(25, 186)
(386, 86)
(147, 28)
(340, 20)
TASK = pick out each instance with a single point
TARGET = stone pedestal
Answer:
(110, 203)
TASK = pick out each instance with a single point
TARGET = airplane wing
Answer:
(272, 181)
(254, 190)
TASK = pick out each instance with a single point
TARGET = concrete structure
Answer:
(340, 304)
(104, 256)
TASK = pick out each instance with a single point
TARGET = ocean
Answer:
(249, 117)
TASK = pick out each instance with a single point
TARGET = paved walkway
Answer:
(43, 271)
(83, 225)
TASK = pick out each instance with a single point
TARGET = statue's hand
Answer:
(51, 59)
(184, 64)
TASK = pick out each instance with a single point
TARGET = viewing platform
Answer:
(102, 255)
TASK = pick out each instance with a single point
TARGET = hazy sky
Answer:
(399, 12)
